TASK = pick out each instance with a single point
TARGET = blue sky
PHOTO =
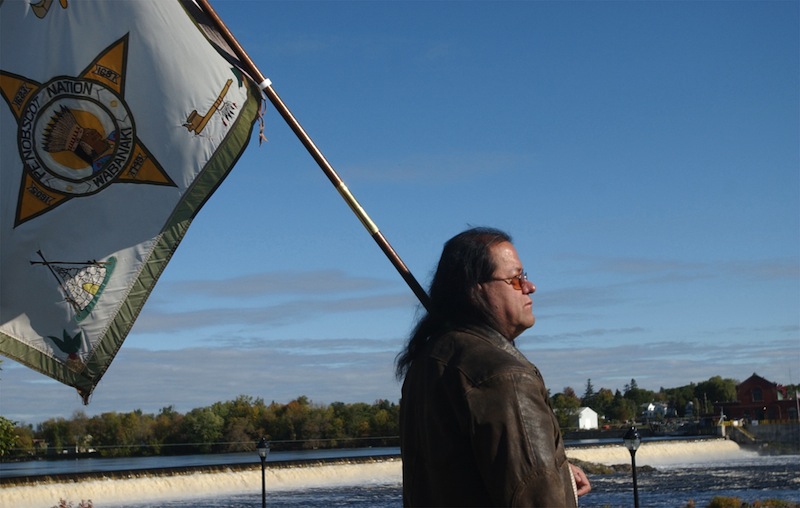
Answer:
(643, 155)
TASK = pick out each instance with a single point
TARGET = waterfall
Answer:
(663, 453)
(140, 489)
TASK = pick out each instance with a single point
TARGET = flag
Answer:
(120, 120)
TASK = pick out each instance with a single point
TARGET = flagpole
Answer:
(266, 85)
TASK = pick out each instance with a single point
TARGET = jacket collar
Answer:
(495, 338)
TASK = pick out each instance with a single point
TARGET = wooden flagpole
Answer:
(266, 85)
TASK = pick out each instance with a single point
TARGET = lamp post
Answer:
(263, 449)
(632, 442)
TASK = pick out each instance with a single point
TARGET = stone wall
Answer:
(778, 437)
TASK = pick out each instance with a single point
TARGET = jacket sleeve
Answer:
(517, 443)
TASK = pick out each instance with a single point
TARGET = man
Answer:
(476, 426)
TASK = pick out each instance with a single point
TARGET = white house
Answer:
(655, 409)
(585, 418)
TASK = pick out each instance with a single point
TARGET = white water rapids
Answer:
(151, 489)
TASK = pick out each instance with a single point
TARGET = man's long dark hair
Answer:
(454, 297)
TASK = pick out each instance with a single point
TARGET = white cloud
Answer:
(363, 371)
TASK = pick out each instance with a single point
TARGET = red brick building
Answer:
(760, 399)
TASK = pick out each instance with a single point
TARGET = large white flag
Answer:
(120, 120)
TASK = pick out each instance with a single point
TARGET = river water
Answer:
(685, 471)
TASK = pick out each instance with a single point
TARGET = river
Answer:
(685, 471)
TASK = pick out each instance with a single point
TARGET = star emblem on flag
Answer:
(77, 135)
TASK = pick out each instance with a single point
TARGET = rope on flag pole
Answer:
(266, 85)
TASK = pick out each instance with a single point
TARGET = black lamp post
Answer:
(263, 449)
(632, 442)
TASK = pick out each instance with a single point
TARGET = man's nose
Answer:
(530, 287)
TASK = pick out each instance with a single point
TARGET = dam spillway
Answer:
(143, 487)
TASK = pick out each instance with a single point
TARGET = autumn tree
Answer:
(240, 429)
(165, 426)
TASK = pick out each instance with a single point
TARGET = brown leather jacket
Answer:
(477, 429)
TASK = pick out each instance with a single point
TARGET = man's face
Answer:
(512, 308)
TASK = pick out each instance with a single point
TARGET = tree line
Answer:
(231, 426)
(236, 425)
(626, 405)
(693, 400)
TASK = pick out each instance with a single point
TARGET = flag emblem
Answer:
(77, 135)
(81, 283)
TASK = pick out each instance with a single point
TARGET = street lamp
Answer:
(632, 442)
(263, 449)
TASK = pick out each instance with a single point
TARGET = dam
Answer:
(146, 487)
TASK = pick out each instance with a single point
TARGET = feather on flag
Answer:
(120, 120)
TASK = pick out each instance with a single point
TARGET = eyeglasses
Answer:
(517, 282)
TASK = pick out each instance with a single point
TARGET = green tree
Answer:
(79, 434)
(8, 436)
(268, 421)
(677, 398)
(621, 408)
(386, 419)
(202, 429)
(588, 395)
(25, 439)
(638, 395)
(137, 431)
(107, 434)
(56, 432)
(716, 389)
(602, 402)
(356, 418)
(565, 405)
(317, 426)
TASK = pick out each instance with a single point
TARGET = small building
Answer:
(655, 410)
(759, 399)
(585, 419)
